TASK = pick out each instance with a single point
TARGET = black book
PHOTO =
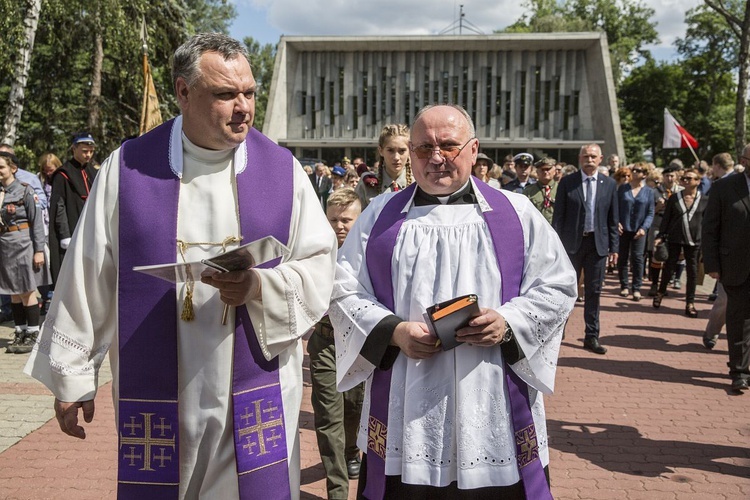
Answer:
(447, 317)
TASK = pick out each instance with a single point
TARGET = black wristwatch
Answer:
(508, 333)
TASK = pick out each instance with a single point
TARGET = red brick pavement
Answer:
(652, 419)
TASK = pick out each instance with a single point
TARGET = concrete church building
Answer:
(543, 93)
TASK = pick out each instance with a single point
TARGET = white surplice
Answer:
(449, 416)
(82, 322)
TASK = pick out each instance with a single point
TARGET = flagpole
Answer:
(691, 148)
(144, 51)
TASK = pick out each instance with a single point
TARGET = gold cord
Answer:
(188, 313)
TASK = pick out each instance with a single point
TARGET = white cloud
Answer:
(670, 16)
(414, 17)
(386, 17)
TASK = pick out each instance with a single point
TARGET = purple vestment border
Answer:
(148, 409)
(504, 225)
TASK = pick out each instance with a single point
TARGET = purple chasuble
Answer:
(507, 238)
(147, 319)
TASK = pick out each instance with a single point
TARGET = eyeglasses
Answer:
(449, 152)
(688, 178)
(637, 170)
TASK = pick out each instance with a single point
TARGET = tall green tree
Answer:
(644, 94)
(627, 24)
(262, 58)
(709, 55)
(737, 15)
(61, 92)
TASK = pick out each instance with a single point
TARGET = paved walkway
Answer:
(652, 419)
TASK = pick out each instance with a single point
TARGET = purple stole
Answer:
(507, 236)
(148, 407)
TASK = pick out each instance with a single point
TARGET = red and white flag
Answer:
(675, 136)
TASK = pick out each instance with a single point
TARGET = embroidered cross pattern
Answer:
(526, 446)
(154, 436)
(376, 436)
(272, 422)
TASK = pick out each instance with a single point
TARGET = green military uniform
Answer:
(336, 414)
(535, 193)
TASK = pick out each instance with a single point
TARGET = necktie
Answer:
(394, 186)
(547, 202)
(589, 221)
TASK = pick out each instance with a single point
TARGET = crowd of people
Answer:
(41, 211)
(434, 288)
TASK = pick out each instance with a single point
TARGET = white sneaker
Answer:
(624, 292)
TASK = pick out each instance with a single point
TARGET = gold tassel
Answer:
(187, 307)
(188, 313)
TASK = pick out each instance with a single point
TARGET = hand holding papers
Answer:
(245, 257)
(240, 259)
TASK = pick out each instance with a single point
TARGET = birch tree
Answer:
(20, 73)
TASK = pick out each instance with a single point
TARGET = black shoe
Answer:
(28, 343)
(352, 467)
(710, 342)
(593, 345)
(690, 311)
(17, 342)
(657, 301)
(740, 385)
(712, 297)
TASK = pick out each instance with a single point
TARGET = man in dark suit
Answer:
(726, 257)
(322, 183)
(586, 218)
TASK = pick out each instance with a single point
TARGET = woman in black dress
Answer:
(681, 227)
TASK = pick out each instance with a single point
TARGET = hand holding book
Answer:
(461, 320)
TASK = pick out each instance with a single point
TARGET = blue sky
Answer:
(267, 20)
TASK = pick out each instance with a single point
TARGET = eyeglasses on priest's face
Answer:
(688, 178)
(447, 151)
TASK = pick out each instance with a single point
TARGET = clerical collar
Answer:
(176, 150)
(464, 196)
(205, 155)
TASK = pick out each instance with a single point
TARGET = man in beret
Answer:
(542, 193)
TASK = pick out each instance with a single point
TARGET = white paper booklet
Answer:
(250, 255)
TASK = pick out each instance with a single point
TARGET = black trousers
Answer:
(588, 260)
(397, 490)
(691, 262)
(738, 329)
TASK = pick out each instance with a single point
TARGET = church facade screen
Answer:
(543, 93)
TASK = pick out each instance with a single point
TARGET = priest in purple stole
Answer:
(207, 406)
(467, 422)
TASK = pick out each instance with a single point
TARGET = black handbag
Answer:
(661, 252)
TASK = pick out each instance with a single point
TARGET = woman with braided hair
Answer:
(394, 173)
